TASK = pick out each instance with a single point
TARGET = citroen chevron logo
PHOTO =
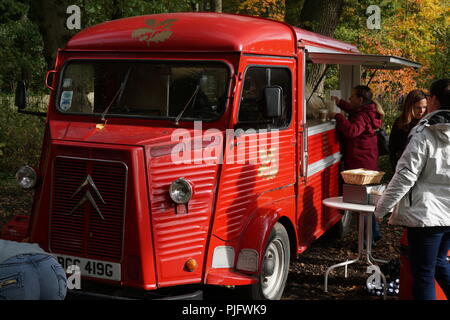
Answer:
(88, 196)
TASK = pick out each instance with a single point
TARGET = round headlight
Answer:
(26, 177)
(180, 191)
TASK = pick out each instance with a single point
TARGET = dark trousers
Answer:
(376, 233)
(428, 251)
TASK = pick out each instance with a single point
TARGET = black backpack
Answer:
(383, 142)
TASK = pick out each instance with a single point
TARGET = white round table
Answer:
(338, 203)
(365, 231)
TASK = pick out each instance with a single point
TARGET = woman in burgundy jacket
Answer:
(359, 130)
(359, 134)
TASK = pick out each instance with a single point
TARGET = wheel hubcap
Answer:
(273, 269)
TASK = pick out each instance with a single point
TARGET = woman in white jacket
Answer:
(420, 193)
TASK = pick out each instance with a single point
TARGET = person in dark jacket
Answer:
(359, 130)
(359, 133)
(414, 108)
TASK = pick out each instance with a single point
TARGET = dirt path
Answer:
(307, 273)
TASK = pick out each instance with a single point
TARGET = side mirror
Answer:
(21, 95)
(273, 101)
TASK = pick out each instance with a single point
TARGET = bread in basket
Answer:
(362, 176)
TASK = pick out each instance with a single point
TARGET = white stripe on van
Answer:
(321, 128)
(323, 163)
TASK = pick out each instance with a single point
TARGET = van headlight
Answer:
(180, 191)
(26, 177)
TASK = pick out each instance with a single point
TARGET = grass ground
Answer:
(13, 199)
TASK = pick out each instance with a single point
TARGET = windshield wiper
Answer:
(194, 96)
(118, 93)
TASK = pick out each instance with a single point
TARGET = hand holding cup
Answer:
(335, 99)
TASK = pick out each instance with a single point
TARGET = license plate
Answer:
(92, 268)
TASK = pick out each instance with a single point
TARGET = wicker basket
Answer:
(357, 176)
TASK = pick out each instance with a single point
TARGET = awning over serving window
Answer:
(372, 61)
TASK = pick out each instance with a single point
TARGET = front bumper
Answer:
(102, 292)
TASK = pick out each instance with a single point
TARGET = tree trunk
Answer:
(211, 5)
(293, 11)
(116, 8)
(51, 17)
(216, 5)
(320, 16)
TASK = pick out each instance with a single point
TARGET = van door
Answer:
(318, 166)
(259, 165)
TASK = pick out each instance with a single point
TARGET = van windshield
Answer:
(160, 90)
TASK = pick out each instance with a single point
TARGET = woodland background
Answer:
(32, 30)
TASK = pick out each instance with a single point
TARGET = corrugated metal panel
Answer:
(314, 218)
(322, 145)
(241, 184)
(181, 236)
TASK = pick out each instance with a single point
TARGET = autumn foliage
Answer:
(414, 29)
(273, 9)
(417, 30)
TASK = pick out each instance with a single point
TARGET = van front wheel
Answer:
(275, 267)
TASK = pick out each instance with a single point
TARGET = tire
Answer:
(344, 226)
(271, 287)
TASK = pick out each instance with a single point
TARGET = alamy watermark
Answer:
(247, 147)
(374, 20)
(374, 280)
(74, 278)
(73, 22)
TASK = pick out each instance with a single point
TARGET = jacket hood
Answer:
(375, 117)
(439, 122)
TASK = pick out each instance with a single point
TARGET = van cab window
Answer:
(251, 110)
(161, 90)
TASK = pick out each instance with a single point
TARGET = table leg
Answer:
(369, 237)
(346, 270)
(346, 263)
(364, 232)
(342, 264)
(385, 286)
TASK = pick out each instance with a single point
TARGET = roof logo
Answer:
(155, 32)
